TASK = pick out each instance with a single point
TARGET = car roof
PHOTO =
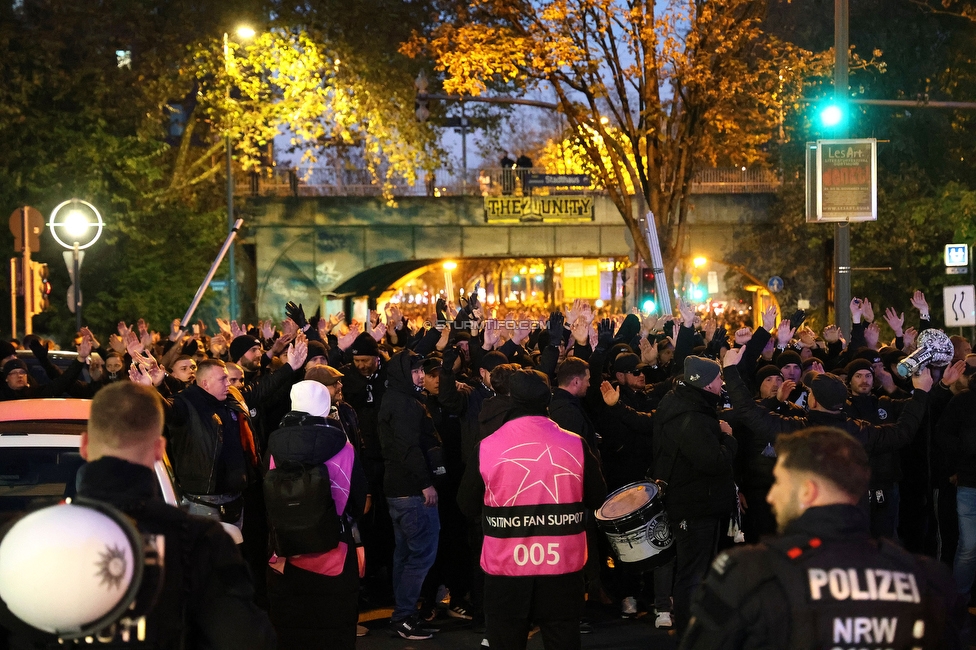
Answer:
(44, 410)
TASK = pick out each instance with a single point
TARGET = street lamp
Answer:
(76, 225)
(243, 32)
(449, 279)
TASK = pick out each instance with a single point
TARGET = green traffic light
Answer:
(648, 306)
(831, 115)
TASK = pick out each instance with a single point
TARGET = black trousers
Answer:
(695, 542)
(513, 605)
(309, 610)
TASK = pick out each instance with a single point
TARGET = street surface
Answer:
(609, 631)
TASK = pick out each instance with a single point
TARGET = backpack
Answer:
(301, 512)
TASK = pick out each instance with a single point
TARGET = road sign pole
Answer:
(76, 263)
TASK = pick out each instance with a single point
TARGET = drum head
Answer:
(626, 500)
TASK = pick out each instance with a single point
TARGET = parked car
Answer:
(39, 457)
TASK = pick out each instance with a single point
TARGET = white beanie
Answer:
(310, 397)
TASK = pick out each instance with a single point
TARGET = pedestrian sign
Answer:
(960, 308)
(956, 254)
(775, 284)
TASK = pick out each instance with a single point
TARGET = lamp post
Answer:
(244, 33)
(76, 225)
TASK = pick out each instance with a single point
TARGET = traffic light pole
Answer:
(842, 230)
(25, 271)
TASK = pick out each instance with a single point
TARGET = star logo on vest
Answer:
(541, 470)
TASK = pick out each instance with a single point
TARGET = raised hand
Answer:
(281, 343)
(953, 372)
(783, 393)
(224, 326)
(919, 303)
(378, 332)
(871, 335)
(297, 352)
(648, 352)
(268, 329)
(610, 394)
(868, 311)
(895, 322)
(556, 325)
(831, 334)
(521, 331)
(784, 333)
(856, 309)
(346, 340)
(175, 331)
(743, 335)
(85, 348)
(808, 338)
(710, 326)
(769, 319)
(909, 337)
(297, 314)
(922, 380)
(236, 330)
(648, 324)
(218, 345)
(732, 357)
(687, 312)
(604, 333)
(492, 335)
(580, 331)
(575, 311)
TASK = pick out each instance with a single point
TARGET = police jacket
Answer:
(693, 455)
(876, 439)
(532, 483)
(825, 584)
(406, 432)
(207, 598)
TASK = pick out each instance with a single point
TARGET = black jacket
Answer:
(626, 430)
(566, 410)
(405, 431)
(312, 440)
(207, 596)
(886, 467)
(762, 596)
(693, 455)
(876, 439)
(956, 437)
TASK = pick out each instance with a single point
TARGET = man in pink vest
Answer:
(533, 485)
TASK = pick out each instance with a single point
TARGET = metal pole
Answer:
(77, 267)
(464, 150)
(13, 297)
(842, 231)
(231, 228)
(27, 276)
(213, 269)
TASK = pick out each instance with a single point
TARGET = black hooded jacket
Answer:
(405, 430)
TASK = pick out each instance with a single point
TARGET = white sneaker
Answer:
(664, 619)
(628, 608)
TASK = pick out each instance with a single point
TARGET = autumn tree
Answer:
(651, 91)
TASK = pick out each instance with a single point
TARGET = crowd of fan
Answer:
(622, 383)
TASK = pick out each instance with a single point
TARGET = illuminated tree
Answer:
(651, 91)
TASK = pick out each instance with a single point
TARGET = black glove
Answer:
(297, 314)
(473, 302)
(797, 318)
(556, 323)
(39, 349)
(449, 359)
(604, 333)
(440, 308)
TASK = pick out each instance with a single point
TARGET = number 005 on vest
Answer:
(634, 521)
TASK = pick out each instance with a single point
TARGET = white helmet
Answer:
(71, 569)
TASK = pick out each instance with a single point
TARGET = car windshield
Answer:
(34, 477)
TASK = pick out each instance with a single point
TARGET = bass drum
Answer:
(634, 520)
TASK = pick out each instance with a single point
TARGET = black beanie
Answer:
(530, 391)
(317, 349)
(14, 364)
(788, 357)
(365, 346)
(855, 366)
(240, 345)
(830, 391)
(700, 372)
(769, 370)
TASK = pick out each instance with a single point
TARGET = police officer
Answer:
(825, 582)
(207, 596)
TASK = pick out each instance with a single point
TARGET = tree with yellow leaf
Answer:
(651, 91)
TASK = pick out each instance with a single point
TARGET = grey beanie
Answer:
(700, 372)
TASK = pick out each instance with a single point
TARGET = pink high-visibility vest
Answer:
(533, 516)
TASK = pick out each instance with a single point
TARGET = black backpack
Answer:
(301, 512)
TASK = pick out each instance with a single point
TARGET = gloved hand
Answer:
(604, 333)
(297, 314)
(440, 307)
(556, 323)
(449, 359)
(39, 349)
